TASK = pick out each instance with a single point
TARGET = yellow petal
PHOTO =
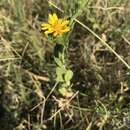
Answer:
(65, 22)
(45, 26)
(55, 17)
(47, 32)
(59, 22)
(52, 19)
(66, 29)
(55, 34)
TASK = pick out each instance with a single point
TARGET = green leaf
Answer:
(59, 74)
(60, 71)
(68, 76)
(58, 61)
(59, 78)
(68, 83)
(63, 91)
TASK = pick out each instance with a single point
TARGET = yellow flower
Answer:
(55, 25)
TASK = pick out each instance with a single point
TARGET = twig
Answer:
(63, 106)
(37, 77)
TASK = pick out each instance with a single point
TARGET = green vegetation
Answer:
(77, 81)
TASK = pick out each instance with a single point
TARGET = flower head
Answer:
(55, 25)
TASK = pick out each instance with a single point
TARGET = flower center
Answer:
(57, 27)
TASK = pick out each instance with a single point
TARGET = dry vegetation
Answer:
(97, 52)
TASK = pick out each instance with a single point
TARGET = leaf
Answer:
(59, 78)
(63, 91)
(59, 74)
(68, 76)
(58, 61)
(68, 83)
(60, 71)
